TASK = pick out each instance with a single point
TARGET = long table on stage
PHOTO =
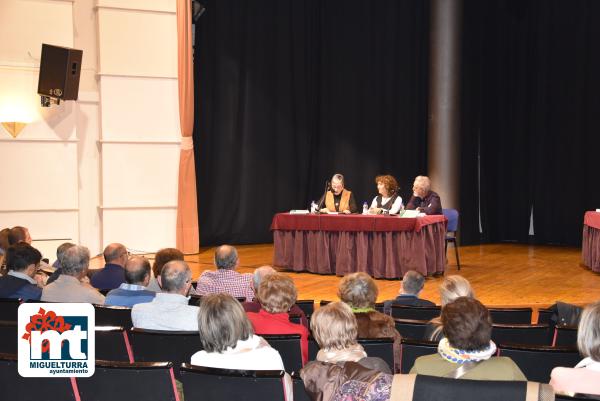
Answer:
(590, 249)
(382, 246)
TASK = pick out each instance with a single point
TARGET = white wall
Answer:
(104, 168)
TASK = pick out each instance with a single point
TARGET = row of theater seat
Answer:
(124, 381)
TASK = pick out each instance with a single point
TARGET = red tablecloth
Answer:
(382, 246)
(590, 249)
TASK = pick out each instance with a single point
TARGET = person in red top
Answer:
(276, 294)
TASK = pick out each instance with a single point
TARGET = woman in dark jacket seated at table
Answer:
(466, 351)
(424, 199)
(359, 291)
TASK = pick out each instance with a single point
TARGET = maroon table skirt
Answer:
(348, 244)
(590, 249)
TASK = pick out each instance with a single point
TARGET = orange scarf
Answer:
(344, 201)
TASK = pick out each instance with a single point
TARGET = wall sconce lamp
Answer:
(14, 127)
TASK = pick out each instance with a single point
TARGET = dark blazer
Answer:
(431, 204)
(14, 287)
(404, 299)
(108, 278)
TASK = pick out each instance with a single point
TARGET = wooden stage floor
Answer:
(501, 274)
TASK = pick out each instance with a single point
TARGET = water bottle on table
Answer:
(365, 208)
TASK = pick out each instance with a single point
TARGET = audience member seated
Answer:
(19, 234)
(335, 330)
(424, 199)
(169, 310)
(451, 288)
(228, 340)
(411, 286)
(113, 273)
(3, 247)
(161, 258)
(467, 351)
(133, 291)
(225, 279)
(585, 377)
(68, 286)
(60, 251)
(276, 294)
(359, 291)
(22, 260)
(254, 306)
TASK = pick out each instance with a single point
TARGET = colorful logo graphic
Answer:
(56, 340)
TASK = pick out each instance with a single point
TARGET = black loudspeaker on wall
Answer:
(60, 69)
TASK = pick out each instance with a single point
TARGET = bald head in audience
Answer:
(18, 234)
(137, 271)
(116, 254)
(176, 277)
(226, 257)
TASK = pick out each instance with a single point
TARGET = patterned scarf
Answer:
(352, 353)
(456, 355)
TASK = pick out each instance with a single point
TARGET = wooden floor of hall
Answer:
(501, 274)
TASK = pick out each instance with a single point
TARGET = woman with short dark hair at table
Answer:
(338, 199)
(424, 199)
(388, 200)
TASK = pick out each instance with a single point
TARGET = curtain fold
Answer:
(187, 209)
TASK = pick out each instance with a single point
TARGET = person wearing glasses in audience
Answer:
(388, 201)
(338, 199)
(424, 199)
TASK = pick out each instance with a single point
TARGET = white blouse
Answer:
(396, 206)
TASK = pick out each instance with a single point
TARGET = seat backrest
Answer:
(195, 300)
(211, 384)
(126, 381)
(577, 397)
(537, 362)
(565, 335)
(313, 348)
(511, 315)
(9, 308)
(452, 216)
(414, 329)
(415, 312)
(412, 349)
(288, 346)
(379, 347)
(15, 387)
(160, 345)
(431, 387)
(8, 337)
(307, 306)
(545, 316)
(113, 316)
(300, 393)
(112, 344)
(531, 334)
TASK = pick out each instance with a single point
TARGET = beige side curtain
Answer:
(188, 240)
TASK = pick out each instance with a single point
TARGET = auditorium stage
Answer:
(501, 274)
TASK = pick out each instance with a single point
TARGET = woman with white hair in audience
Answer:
(585, 376)
(228, 339)
(467, 351)
(360, 291)
(452, 287)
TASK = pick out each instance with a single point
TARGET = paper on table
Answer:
(299, 212)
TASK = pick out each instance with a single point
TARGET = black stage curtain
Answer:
(289, 92)
(530, 118)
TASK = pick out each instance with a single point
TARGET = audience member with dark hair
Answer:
(335, 329)
(254, 306)
(585, 376)
(276, 294)
(169, 310)
(360, 291)
(162, 257)
(467, 351)
(60, 251)
(133, 291)
(68, 286)
(410, 287)
(113, 273)
(225, 279)
(452, 287)
(22, 261)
